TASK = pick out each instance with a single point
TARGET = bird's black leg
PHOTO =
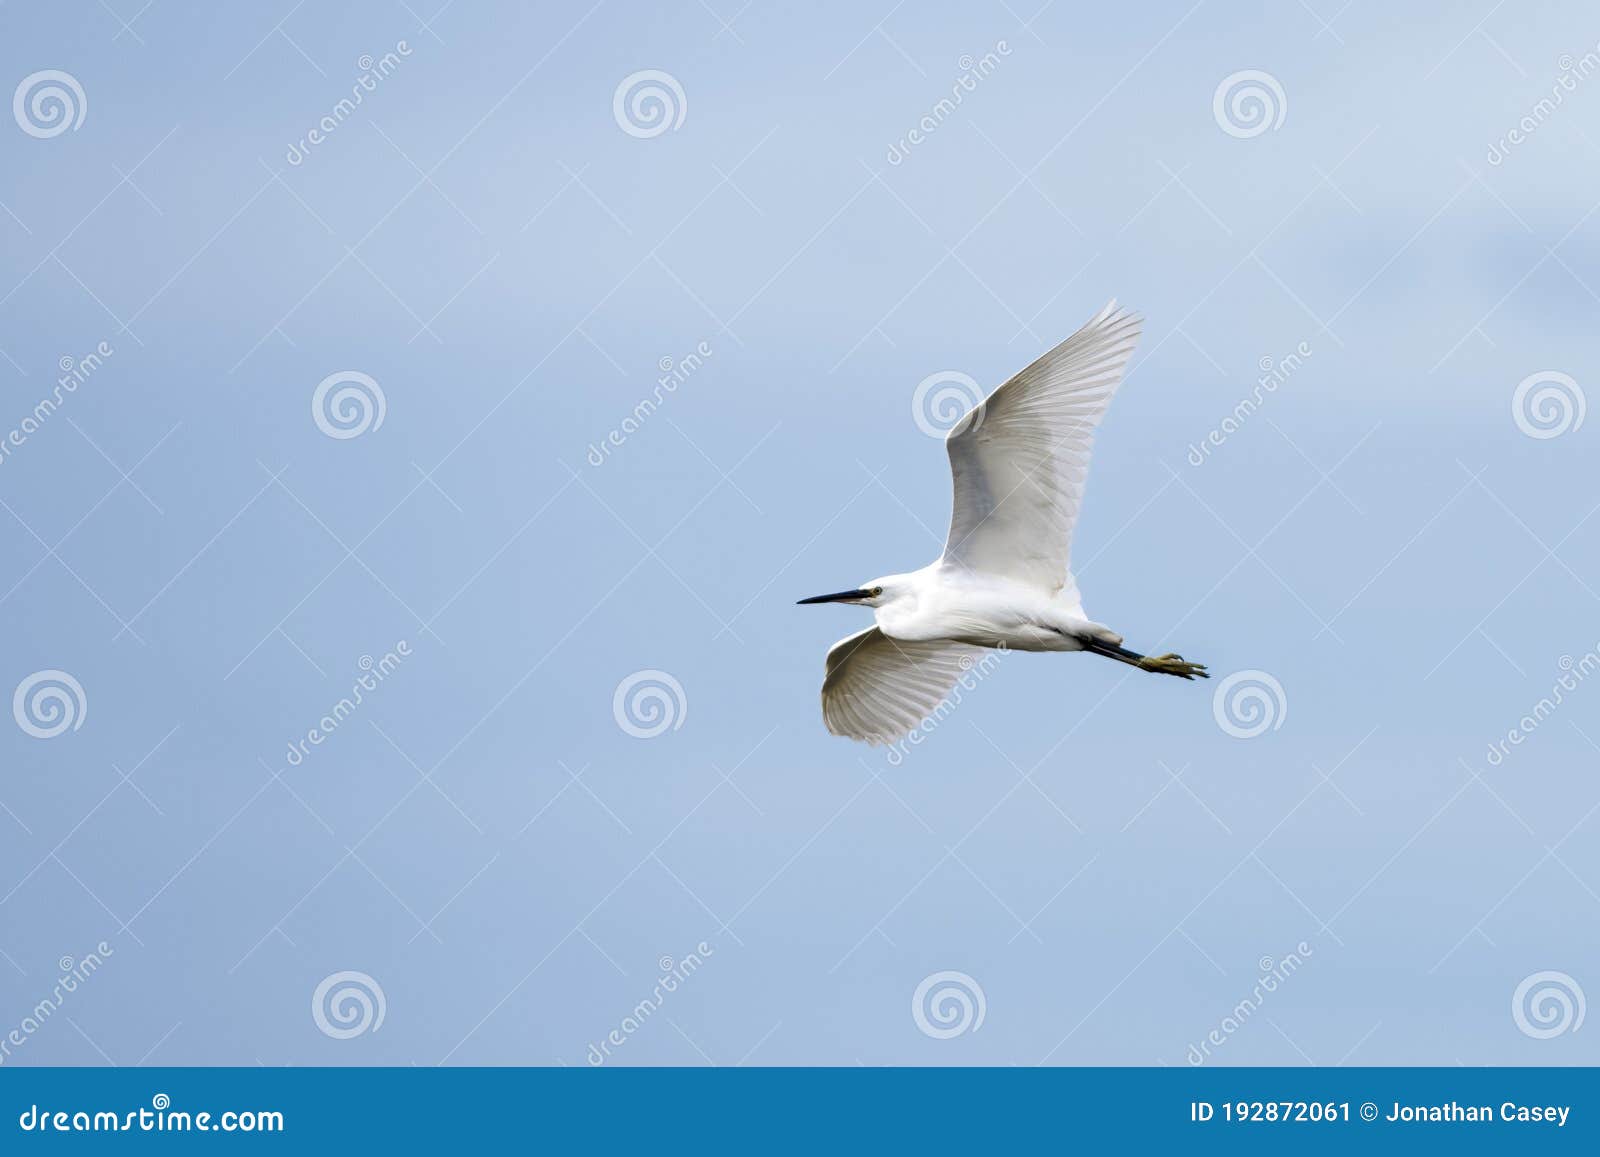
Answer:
(1168, 664)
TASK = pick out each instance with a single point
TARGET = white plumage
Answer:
(878, 688)
(1019, 461)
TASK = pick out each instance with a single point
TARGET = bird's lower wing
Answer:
(877, 688)
(1021, 457)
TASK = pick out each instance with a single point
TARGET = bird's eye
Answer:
(876, 591)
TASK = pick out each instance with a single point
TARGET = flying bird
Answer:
(1019, 460)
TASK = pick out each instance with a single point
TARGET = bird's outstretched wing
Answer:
(878, 688)
(1020, 458)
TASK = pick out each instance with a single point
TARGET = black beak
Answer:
(838, 597)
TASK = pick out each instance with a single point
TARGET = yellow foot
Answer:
(1173, 665)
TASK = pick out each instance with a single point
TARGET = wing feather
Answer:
(877, 688)
(1019, 459)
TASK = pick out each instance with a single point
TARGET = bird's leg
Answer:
(1168, 664)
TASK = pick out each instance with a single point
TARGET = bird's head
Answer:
(869, 594)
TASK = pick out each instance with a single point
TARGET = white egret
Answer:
(1019, 460)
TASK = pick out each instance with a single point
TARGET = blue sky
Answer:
(509, 262)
